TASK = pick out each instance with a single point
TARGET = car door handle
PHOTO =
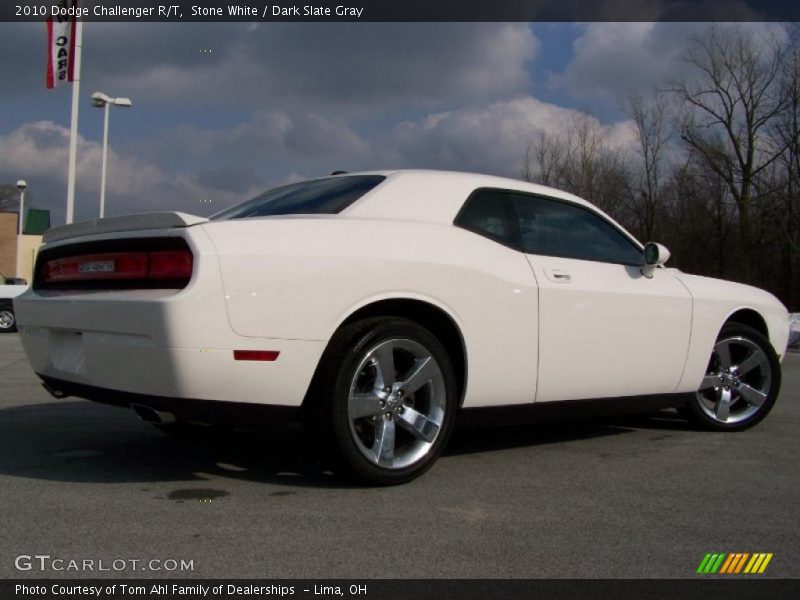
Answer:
(558, 275)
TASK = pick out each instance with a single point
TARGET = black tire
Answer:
(742, 341)
(8, 322)
(343, 367)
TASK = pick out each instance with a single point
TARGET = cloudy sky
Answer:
(222, 111)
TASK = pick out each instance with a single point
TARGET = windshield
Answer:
(316, 197)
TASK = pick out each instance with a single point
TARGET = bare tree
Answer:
(701, 214)
(545, 159)
(784, 181)
(579, 160)
(9, 197)
(732, 95)
(729, 205)
(651, 118)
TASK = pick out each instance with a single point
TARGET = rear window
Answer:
(327, 196)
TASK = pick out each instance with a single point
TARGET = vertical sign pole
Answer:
(73, 129)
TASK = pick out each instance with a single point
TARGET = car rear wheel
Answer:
(741, 384)
(8, 321)
(385, 400)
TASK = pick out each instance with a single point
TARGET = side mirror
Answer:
(655, 255)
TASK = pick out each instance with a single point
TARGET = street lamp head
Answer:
(22, 184)
(99, 100)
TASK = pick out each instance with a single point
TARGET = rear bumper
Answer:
(184, 409)
(161, 343)
(138, 364)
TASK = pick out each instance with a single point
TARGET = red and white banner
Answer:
(61, 45)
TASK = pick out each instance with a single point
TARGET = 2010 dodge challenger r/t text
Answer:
(377, 307)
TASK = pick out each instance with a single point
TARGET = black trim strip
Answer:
(256, 415)
(203, 411)
(535, 412)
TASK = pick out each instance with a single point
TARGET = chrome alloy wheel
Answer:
(737, 382)
(397, 403)
(6, 319)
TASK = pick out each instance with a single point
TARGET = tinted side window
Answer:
(556, 228)
(487, 213)
(319, 196)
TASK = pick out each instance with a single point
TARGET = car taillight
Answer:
(173, 265)
(176, 264)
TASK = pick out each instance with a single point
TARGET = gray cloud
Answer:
(232, 164)
(228, 109)
(38, 152)
(319, 67)
(613, 59)
(491, 138)
(278, 102)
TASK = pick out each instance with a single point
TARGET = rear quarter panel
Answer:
(301, 278)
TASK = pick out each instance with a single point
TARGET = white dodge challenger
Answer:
(380, 307)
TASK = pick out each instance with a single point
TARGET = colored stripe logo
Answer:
(734, 562)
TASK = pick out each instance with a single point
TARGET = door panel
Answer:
(605, 330)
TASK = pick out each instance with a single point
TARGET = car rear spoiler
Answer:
(156, 220)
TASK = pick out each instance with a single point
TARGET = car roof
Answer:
(437, 196)
(433, 196)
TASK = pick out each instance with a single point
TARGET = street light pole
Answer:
(100, 100)
(105, 161)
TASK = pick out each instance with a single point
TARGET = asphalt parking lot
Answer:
(623, 497)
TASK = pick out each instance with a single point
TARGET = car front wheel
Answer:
(741, 383)
(386, 400)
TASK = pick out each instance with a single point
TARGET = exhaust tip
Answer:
(151, 415)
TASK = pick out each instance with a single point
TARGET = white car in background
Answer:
(380, 306)
(10, 288)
